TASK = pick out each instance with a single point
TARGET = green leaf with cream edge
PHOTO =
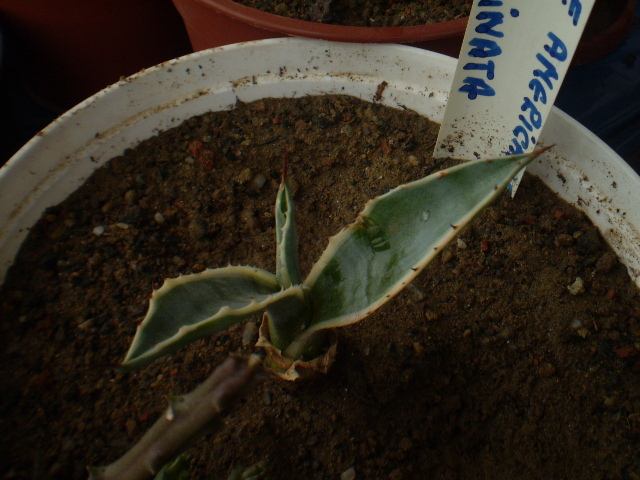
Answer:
(366, 264)
(191, 307)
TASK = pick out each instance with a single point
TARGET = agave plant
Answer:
(366, 264)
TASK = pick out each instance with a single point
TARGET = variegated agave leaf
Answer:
(190, 307)
(287, 261)
(395, 237)
(287, 317)
(178, 469)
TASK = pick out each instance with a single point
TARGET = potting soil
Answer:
(514, 355)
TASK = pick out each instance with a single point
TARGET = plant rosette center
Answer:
(300, 369)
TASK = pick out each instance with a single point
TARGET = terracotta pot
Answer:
(212, 23)
(67, 50)
(607, 27)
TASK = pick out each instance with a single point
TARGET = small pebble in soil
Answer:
(614, 335)
(587, 243)
(259, 180)
(564, 240)
(159, 218)
(577, 287)
(506, 334)
(417, 294)
(606, 263)
(98, 230)
(431, 316)
(348, 474)
(197, 229)
(583, 332)
(396, 474)
(547, 370)
(419, 348)
(576, 324)
(131, 197)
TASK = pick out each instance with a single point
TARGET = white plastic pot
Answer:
(581, 169)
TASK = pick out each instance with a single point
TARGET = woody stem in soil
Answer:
(188, 417)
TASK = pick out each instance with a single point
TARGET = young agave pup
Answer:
(366, 264)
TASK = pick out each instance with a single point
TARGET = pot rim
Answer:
(581, 168)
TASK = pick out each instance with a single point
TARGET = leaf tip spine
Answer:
(540, 151)
(285, 166)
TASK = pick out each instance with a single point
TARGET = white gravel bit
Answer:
(259, 180)
(577, 287)
(461, 243)
(159, 218)
(98, 230)
(576, 324)
(348, 474)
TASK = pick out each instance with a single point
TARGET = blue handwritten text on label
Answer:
(484, 46)
(544, 76)
(575, 9)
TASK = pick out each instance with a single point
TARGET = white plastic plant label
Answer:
(514, 57)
